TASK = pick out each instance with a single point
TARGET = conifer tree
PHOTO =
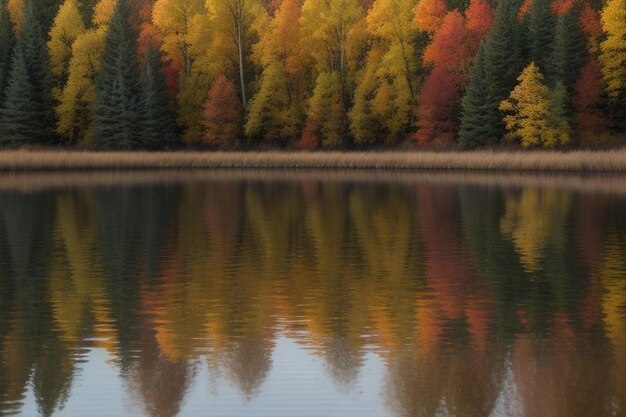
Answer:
(569, 50)
(474, 121)
(539, 32)
(502, 62)
(118, 110)
(29, 82)
(7, 42)
(157, 119)
(20, 115)
(534, 115)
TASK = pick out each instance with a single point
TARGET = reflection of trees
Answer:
(533, 220)
(457, 290)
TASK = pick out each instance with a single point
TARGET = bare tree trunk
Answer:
(241, 70)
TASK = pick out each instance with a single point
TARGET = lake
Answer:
(312, 294)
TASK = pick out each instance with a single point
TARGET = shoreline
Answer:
(613, 161)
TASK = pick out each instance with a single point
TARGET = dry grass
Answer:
(539, 161)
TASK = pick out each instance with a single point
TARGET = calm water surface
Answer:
(312, 297)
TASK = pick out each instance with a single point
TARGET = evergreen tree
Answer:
(539, 32)
(473, 131)
(492, 78)
(20, 116)
(158, 121)
(570, 50)
(31, 83)
(118, 110)
(7, 42)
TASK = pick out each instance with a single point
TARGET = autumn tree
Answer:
(493, 77)
(533, 114)
(588, 99)
(276, 111)
(329, 30)
(29, 88)
(118, 109)
(7, 41)
(429, 14)
(234, 21)
(447, 53)
(325, 113)
(77, 99)
(613, 57)
(221, 118)
(68, 25)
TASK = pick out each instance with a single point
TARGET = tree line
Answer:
(151, 74)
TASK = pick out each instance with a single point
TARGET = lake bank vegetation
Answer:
(335, 74)
(613, 161)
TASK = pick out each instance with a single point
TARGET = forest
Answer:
(308, 74)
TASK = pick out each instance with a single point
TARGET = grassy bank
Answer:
(575, 161)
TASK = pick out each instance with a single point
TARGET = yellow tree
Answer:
(76, 100)
(532, 112)
(16, 12)
(68, 25)
(390, 74)
(184, 28)
(331, 33)
(613, 49)
(174, 19)
(235, 24)
(276, 111)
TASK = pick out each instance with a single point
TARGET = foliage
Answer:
(325, 115)
(157, 123)
(613, 51)
(68, 25)
(118, 108)
(29, 91)
(221, 118)
(7, 42)
(492, 79)
(533, 114)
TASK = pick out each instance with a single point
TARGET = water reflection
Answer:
(474, 300)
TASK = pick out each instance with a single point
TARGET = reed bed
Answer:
(539, 161)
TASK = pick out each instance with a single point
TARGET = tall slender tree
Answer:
(29, 80)
(502, 61)
(7, 42)
(569, 52)
(118, 110)
(158, 126)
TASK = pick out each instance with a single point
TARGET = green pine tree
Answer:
(30, 83)
(157, 120)
(7, 41)
(118, 110)
(20, 116)
(570, 50)
(501, 62)
(473, 131)
(539, 32)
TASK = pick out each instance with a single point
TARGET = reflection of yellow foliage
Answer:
(613, 273)
(531, 220)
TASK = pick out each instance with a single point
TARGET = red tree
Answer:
(587, 98)
(439, 106)
(222, 114)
